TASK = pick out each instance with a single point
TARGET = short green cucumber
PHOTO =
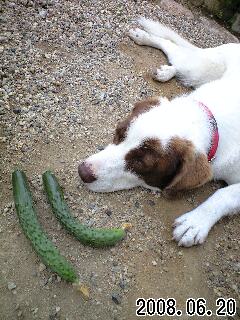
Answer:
(49, 254)
(91, 236)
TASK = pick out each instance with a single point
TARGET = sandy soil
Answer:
(147, 263)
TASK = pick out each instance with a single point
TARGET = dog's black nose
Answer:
(86, 174)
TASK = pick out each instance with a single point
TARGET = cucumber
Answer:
(49, 254)
(90, 236)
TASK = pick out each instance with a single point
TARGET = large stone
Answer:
(217, 29)
(176, 9)
(236, 24)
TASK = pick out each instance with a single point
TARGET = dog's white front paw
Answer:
(164, 74)
(139, 36)
(191, 229)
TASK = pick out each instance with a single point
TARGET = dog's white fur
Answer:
(215, 73)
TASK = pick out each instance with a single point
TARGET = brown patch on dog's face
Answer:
(176, 167)
(156, 166)
(139, 108)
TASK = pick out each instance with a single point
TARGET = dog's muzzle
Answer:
(86, 173)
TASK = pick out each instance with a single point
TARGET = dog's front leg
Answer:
(192, 228)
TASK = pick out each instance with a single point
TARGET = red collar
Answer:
(214, 132)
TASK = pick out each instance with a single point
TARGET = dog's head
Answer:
(146, 152)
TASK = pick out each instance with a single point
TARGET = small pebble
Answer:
(35, 310)
(123, 283)
(57, 309)
(154, 263)
(116, 298)
(41, 267)
(16, 110)
(20, 313)
(136, 204)
(108, 212)
(151, 203)
(43, 13)
(11, 286)
(234, 287)
(3, 139)
(17, 306)
(115, 263)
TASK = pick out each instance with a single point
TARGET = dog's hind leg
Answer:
(176, 55)
(157, 29)
(188, 63)
(143, 38)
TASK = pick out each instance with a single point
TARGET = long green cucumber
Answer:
(34, 232)
(91, 236)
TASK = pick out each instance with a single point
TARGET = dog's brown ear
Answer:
(120, 131)
(138, 108)
(144, 105)
(195, 170)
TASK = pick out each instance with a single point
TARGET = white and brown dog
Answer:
(180, 144)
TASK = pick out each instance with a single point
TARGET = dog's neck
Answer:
(186, 118)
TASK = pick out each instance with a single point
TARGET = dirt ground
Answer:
(145, 264)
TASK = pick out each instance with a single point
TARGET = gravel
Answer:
(68, 74)
(54, 68)
(116, 298)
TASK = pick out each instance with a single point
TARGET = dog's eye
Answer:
(139, 156)
(139, 160)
